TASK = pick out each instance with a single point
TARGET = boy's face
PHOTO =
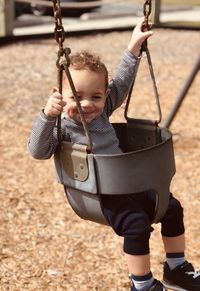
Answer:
(90, 88)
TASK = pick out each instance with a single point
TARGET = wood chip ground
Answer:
(43, 244)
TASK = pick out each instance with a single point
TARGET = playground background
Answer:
(43, 244)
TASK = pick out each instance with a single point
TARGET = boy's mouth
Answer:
(86, 114)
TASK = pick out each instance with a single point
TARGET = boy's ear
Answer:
(107, 92)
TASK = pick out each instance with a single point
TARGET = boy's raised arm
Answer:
(137, 39)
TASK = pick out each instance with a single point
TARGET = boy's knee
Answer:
(136, 234)
(172, 222)
(175, 209)
(137, 244)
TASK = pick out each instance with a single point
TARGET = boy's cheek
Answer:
(70, 110)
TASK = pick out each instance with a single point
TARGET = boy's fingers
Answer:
(54, 89)
(64, 103)
(150, 24)
(148, 33)
(57, 95)
(141, 22)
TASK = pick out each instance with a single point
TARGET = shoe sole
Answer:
(172, 287)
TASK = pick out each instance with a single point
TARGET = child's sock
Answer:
(142, 283)
(175, 259)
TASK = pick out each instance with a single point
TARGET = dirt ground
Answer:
(43, 244)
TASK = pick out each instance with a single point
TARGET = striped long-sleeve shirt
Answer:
(43, 140)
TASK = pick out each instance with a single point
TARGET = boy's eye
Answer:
(96, 97)
(73, 98)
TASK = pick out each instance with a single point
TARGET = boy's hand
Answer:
(138, 37)
(54, 104)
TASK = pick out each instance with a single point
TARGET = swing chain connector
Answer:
(63, 58)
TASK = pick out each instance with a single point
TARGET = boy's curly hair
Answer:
(85, 60)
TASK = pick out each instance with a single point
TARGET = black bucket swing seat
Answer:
(147, 163)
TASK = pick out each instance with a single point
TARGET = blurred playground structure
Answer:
(109, 15)
(105, 15)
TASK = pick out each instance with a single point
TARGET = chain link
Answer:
(145, 26)
(147, 11)
(59, 29)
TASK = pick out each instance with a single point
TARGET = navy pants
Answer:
(130, 216)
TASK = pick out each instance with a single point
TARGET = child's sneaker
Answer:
(182, 278)
(157, 286)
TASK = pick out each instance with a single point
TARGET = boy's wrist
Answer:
(46, 113)
(135, 54)
(135, 50)
(46, 116)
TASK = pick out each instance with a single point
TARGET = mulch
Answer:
(44, 245)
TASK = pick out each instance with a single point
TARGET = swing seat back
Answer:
(137, 134)
(148, 165)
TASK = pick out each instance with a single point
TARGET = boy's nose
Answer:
(86, 104)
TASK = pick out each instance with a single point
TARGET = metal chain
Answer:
(63, 63)
(147, 11)
(59, 29)
(155, 89)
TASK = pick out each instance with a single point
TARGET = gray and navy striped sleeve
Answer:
(43, 141)
(121, 83)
